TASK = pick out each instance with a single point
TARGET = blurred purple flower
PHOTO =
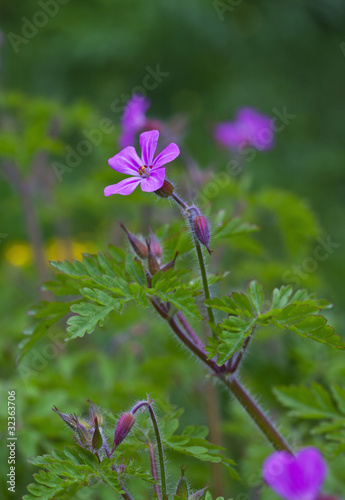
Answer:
(147, 171)
(133, 119)
(297, 477)
(249, 128)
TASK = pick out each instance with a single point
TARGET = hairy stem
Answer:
(179, 201)
(204, 281)
(261, 420)
(159, 445)
(201, 354)
(154, 470)
(189, 329)
(254, 411)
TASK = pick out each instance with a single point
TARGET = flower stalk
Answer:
(159, 444)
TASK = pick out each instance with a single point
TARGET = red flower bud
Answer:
(166, 190)
(138, 246)
(202, 231)
(153, 263)
(124, 425)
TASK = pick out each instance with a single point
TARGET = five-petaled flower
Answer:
(297, 477)
(250, 128)
(133, 119)
(147, 171)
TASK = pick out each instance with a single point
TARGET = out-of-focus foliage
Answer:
(78, 69)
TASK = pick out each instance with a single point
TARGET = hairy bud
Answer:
(97, 440)
(182, 486)
(198, 494)
(202, 231)
(84, 435)
(138, 246)
(200, 227)
(68, 419)
(152, 261)
(166, 190)
(123, 427)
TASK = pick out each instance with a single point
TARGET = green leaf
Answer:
(87, 317)
(234, 227)
(313, 403)
(256, 295)
(66, 472)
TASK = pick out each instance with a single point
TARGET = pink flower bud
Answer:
(202, 231)
(166, 190)
(138, 246)
(124, 425)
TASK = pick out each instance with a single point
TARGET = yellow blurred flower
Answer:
(18, 254)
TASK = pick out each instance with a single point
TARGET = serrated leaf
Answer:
(256, 295)
(88, 316)
(313, 403)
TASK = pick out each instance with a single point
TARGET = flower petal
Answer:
(167, 155)
(125, 187)
(126, 162)
(297, 477)
(148, 143)
(154, 182)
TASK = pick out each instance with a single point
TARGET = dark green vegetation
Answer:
(78, 70)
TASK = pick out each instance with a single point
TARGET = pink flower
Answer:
(133, 119)
(147, 170)
(250, 128)
(297, 477)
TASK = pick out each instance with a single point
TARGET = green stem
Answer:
(204, 282)
(159, 444)
(160, 453)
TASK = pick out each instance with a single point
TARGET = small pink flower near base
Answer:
(147, 171)
(297, 477)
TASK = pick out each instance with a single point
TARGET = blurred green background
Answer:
(80, 66)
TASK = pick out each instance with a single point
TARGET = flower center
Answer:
(144, 171)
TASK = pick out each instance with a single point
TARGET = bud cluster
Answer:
(88, 432)
(151, 251)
